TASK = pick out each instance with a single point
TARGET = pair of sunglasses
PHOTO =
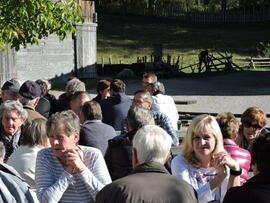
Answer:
(249, 125)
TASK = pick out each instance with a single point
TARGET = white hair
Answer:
(11, 105)
(152, 143)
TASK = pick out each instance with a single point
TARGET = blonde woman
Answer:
(204, 163)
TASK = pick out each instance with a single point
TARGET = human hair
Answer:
(254, 114)
(139, 116)
(91, 110)
(10, 105)
(229, 125)
(157, 88)
(43, 86)
(68, 119)
(146, 96)
(199, 125)
(73, 86)
(102, 85)
(150, 76)
(79, 93)
(152, 143)
(260, 151)
(118, 85)
(2, 151)
(35, 133)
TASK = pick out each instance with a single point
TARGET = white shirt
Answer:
(199, 179)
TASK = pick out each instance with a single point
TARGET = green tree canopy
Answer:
(24, 22)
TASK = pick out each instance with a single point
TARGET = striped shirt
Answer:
(54, 184)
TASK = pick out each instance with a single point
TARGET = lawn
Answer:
(129, 37)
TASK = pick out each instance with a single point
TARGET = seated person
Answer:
(229, 126)
(67, 172)
(257, 188)
(149, 181)
(103, 90)
(94, 133)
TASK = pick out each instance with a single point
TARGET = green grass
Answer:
(126, 38)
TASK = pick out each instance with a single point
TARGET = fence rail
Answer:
(174, 11)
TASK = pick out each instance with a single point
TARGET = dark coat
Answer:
(256, 189)
(119, 155)
(115, 109)
(150, 182)
(96, 134)
(43, 107)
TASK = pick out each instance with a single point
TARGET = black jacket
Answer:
(256, 189)
(149, 183)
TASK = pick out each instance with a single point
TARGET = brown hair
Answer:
(254, 114)
(228, 124)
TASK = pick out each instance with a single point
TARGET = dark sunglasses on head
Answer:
(249, 125)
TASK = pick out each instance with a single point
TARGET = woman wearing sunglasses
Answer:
(204, 163)
(253, 121)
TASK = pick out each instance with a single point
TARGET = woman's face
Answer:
(251, 130)
(105, 93)
(11, 122)
(203, 144)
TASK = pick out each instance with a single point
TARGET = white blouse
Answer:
(199, 179)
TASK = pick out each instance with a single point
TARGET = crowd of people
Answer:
(113, 148)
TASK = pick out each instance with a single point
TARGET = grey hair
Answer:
(147, 97)
(68, 119)
(73, 86)
(10, 105)
(2, 151)
(139, 116)
(152, 143)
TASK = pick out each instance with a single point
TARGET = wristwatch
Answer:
(235, 173)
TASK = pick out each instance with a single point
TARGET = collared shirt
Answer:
(54, 184)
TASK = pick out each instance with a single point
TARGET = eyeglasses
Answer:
(249, 125)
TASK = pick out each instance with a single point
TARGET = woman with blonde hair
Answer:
(204, 163)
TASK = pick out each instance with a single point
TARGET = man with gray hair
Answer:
(119, 153)
(67, 172)
(149, 181)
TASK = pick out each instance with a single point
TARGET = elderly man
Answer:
(10, 91)
(67, 172)
(144, 99)
(30, 93)
(150, 181)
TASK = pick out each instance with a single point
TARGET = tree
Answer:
(24, 22)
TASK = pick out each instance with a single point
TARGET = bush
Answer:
(263, 49)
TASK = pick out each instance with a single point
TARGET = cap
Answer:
(12, 85)
(30, 90)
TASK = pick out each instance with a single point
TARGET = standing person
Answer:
(253, 121)
(67, 172)
(115, 108)
(163, 103)
(13, 116)
(148, 78)
(103, 90)
(257, 188)
(149, 181)
(204, 162)
(10, 91)
(94, 133)
(229, 126)
(30, 93)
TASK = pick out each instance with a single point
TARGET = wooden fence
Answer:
(253, 63)
(252, 15)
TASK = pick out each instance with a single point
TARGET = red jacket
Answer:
(241, 155)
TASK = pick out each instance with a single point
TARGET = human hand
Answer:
(74, 160)
(223, 158)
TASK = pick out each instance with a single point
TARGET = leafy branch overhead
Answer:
(24, 22)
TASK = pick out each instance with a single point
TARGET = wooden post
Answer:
(102, 62)
(110, 60)
(252, 65)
